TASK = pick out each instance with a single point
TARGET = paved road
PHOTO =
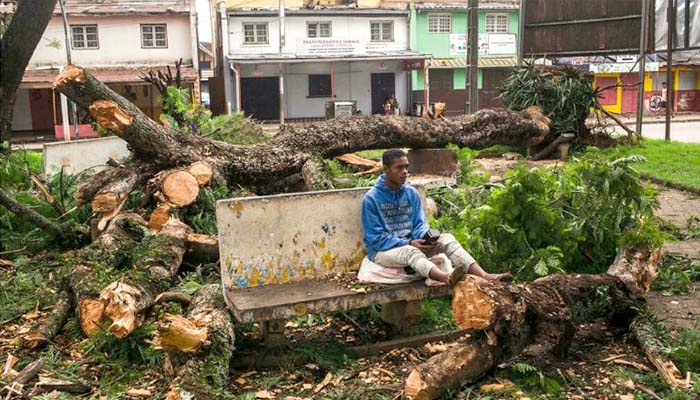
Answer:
(680, 131)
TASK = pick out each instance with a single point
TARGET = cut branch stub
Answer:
(160, 216)
(180, 188)
(110, 116)
(174, 332)
(202, 172)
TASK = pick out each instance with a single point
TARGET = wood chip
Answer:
(264, 394)
(323, 383)
(496, 387)
(632, 364)
(629, 384)
(8, 370)
(626, 396)
(6, 263)
(608, 359)
(139, 393)
(33, 314)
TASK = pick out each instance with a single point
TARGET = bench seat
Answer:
(312, 296)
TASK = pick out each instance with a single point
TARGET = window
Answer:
(439, 23)
(496, 23)
(319, 85)
(84, 36)
(255, 33)
(381, 31)
(318, 29)
(154, 36)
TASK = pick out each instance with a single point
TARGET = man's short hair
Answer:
(390, 155)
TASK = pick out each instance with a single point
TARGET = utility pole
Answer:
(64, 100)
(671, 19)
(521, 32)
(281, 66)
(642, 65)
(472, 74)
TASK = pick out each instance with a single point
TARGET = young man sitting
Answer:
(395, 227)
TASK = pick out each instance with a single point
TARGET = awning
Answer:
(294, 59)
(484, 62)
(43, 78)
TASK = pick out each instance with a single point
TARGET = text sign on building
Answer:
(490, 44)
(501, 44)
(324, 47)
(621, 68)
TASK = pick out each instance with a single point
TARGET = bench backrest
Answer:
(276, 239)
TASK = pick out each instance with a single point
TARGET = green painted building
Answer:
(440, 29)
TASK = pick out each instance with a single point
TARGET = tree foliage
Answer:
(545, 220)
(565, 95)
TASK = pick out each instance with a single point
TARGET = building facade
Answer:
(332, 54)
(118, 43)
(440, 29)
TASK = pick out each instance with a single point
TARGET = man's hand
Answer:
(421, 245)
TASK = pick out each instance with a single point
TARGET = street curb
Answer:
(671, 185)
(663, 121)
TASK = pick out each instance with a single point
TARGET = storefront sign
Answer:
(490, 44)
(621, 68)
(501, 44)
(409, 65)
(325, 47)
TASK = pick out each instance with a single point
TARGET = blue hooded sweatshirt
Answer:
(391, 218)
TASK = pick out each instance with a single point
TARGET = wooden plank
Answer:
(299, 298)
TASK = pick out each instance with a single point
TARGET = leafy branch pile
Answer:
(545, 220)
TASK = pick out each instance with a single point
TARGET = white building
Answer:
(117, 41)
(330, 54)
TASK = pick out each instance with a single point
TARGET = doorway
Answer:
(260, 97)
(382, 88)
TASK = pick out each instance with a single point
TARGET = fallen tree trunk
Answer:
(155, 265)
(96, 265)
(202, 344)
(504, 320)
(287, 152)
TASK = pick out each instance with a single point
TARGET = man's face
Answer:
(397, 173)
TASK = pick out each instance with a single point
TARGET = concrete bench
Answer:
(285, 256)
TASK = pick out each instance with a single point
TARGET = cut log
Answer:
(504, 320)
(204, 373)
(174, 332)
(108, 199)
(202, 172)
(156, 262)
(653, 349)
(94, 266)
(160, 216)
(180, 188)
(202, 247)
(117, 181)
(286, 153)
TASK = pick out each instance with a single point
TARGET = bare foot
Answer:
(456, 276)
(507, 277)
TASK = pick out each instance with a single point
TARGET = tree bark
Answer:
(16, 48)
(505, 320)
(65, 236)
(287, 152)
(96, 265)
(156, 264)
(202, 346)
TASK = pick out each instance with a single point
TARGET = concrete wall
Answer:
(119, 42)
(283, 238)
(342, 27)
(79, 155)
(352, 82)
(22, 117)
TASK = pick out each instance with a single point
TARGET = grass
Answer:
(673, 162)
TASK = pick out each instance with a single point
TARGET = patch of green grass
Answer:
(371, 154)
(28, 283)
(436, 316)
(673, 162)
